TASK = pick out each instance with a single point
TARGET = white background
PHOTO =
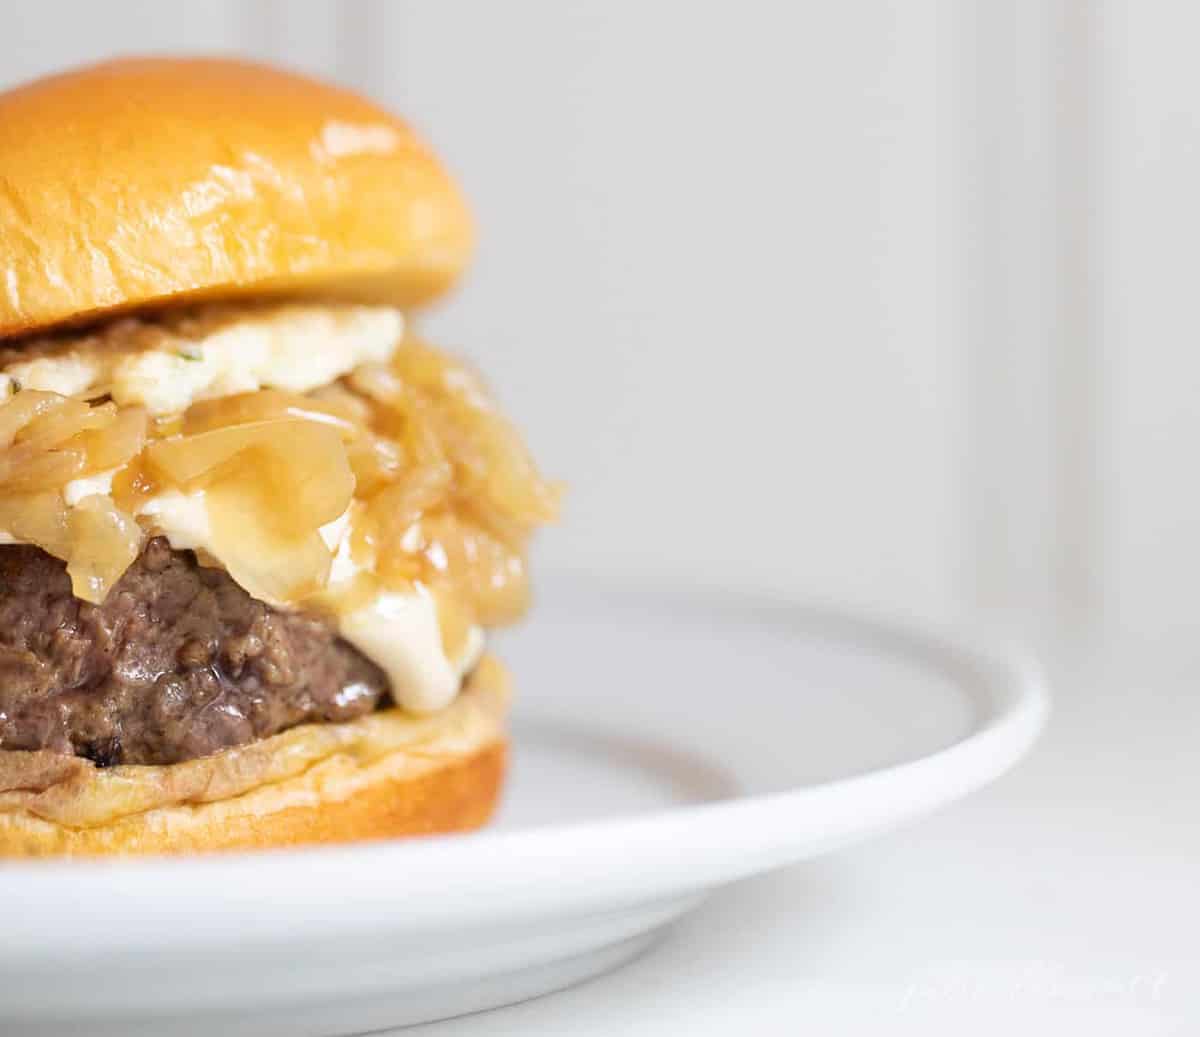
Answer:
(876, 301)
(884, 302)
(848, 300)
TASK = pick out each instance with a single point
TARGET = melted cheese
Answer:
(77, 489)
(400, 633)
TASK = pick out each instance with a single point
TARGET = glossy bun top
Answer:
(141, 182)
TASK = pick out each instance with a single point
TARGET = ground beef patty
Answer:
(177, 662)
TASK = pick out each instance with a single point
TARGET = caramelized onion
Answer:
(269, 486)
(487, 572)
(489, 456)
(134, 485)
(299, 466)
(267, 561)
(37, 518)
(69, 419)
(338, 399)
(115, 445)
(375, 461)
(446, 492)
(104, 541)
(416, 490)
(18, 411)
(264, 405)
(25, 470)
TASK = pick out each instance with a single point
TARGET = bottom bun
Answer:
(384, 775)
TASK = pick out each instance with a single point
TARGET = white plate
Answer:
(664, 747)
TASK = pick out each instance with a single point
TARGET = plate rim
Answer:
(566, 867)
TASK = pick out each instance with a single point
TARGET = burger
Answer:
(255, 530)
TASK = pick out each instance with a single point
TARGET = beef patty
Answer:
(178, 662)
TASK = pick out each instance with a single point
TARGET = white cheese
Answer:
(400, 634)
(217, 351)
(77, 489)
(182, 518)
(68, 375)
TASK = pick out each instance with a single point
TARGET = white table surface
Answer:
(1064, 899)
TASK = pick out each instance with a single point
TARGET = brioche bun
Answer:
(384, 775)
(140, 182)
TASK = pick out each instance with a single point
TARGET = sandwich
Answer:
(254, 530)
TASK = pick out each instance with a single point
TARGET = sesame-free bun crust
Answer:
(384, 775)
(144, 181)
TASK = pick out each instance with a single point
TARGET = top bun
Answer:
(152, 180)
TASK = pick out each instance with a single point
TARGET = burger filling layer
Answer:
(177, 662)
(233, 520)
